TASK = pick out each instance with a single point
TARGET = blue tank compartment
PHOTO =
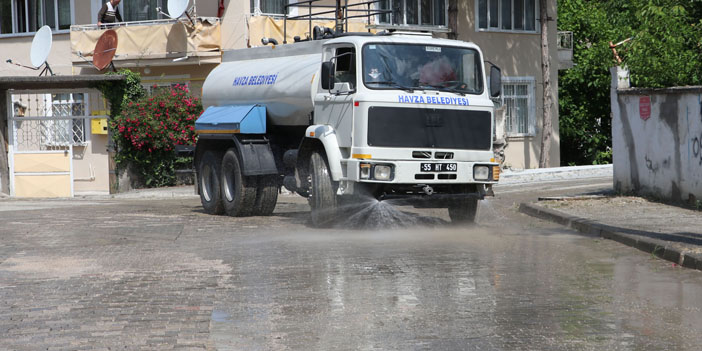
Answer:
(244, 119)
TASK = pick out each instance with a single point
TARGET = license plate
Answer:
(438, 167)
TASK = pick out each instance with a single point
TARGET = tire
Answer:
(208, 178)
(238, 194)
(464, 211)
(322, 199)
(266, 195)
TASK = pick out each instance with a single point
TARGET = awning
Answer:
(245, 119)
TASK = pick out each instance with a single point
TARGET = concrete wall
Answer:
(90, 166)
(657, 146)
(17, 49)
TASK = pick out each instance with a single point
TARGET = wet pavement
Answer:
(129, 273)
(670, 231)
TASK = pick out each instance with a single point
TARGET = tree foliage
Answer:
(120, 94)
(665, 50)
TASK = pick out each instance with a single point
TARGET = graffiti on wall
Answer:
(697, 139)
(697, 148)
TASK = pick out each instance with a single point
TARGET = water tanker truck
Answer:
(400, 116)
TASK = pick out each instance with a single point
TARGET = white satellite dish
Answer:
(176, 8)
(41, 46)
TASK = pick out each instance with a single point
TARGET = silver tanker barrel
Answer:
(282, 78)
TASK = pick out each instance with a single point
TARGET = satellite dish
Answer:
(177, 7)
(105, 49)
(41, 46)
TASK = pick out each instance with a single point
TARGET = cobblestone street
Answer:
(160, 274)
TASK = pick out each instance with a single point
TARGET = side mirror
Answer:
(327, 71)
(495, 81)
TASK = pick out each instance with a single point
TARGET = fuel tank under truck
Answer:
(282, 78)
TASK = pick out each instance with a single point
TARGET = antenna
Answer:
(105, 50)
(176, 9)
(41, 47)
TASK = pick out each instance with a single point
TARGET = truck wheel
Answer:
(238, 195)
(266, 195)
(208, 173)
(464, 211)
(322, 197)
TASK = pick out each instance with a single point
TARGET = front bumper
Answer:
(409, 172)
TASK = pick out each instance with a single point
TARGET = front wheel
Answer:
(322, 197)
(464, 211)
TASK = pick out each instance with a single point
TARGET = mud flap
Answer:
(256, 158)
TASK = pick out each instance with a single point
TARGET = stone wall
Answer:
(657, 140)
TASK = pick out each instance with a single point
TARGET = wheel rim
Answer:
(228, 192)
(206, 183)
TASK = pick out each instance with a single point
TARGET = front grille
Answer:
(421, 154)
(435, 128)
(444, 155)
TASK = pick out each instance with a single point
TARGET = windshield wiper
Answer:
(393, 84)
(443, 88)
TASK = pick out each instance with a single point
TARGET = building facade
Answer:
(168, 52)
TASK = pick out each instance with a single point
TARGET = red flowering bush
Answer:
(149, 128)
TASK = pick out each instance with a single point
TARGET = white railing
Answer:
(158, 22)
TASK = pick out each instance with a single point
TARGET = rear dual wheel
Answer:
(208, 178)
(224, 188)
(238, 192)
(266, 195)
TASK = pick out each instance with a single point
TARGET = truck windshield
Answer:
(422, 67)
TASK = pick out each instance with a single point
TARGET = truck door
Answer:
(334, 105)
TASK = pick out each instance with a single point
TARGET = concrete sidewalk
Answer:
(667, 231)
(670, 232)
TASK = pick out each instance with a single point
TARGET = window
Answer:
(65, 131)
(518, 98)
(413, 12)
(274, 7)
(507, 15)
(345, 66)
(27, 16)
(142, 10)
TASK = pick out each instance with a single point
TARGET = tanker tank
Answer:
(282, 78)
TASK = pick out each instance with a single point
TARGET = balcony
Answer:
(154, 43)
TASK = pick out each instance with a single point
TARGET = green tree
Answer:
(665, 50)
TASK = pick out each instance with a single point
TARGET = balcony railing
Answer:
(161, 42)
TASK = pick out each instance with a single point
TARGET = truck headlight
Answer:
(481, 172)
(382, 172)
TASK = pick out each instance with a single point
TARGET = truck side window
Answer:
(345, 66)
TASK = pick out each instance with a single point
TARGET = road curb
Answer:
(657, 247)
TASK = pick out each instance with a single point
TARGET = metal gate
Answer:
(43, 127)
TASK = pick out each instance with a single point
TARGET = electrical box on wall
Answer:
(98, 125)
